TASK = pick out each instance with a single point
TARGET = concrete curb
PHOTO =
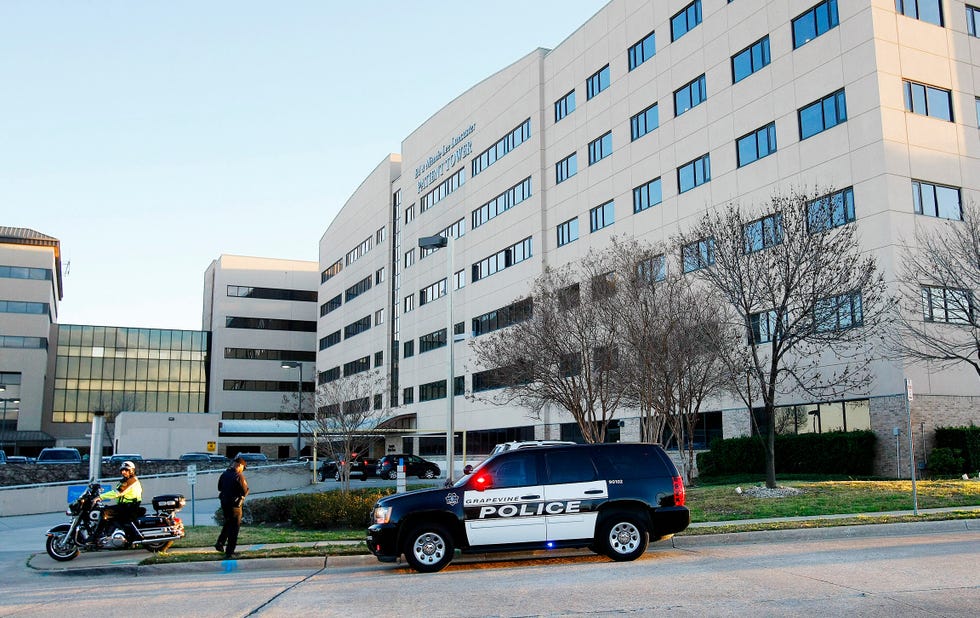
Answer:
(316, 563)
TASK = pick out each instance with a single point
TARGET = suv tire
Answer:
(622, 537)
(429, 548)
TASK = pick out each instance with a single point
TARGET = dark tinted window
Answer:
(630, 461)
(574, 466)
(516, 471)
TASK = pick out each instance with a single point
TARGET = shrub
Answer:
(966, 440)
(313, 511)
(850, 453)
(946, 462)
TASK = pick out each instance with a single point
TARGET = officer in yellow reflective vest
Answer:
(128, 494)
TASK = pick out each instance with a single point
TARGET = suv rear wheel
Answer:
(622, 537)
(429, 548)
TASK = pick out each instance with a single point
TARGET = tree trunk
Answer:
(771, 446)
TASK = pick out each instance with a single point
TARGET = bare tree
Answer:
(565, 354)
(936, 318)
(802, 294)
(111, 403)
(670, 347)
(346, 415)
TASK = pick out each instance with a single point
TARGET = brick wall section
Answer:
(28, 474)
(928, 412)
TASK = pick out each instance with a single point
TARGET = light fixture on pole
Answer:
(299, 401)
(439, 242)
(3, 423)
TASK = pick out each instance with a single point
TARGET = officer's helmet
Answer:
(127, 465)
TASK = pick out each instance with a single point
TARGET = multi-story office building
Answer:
(30, 290)
(641, 120)
(112, 369)
(262, 316)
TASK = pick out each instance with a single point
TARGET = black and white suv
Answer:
(612, 498)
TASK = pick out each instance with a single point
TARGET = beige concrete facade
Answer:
(879, 150)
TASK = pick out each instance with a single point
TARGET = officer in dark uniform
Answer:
(232, 489)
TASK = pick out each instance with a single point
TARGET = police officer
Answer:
(128, 494)
(232, 489)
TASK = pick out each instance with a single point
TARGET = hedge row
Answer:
(963, 443)
(850, 453)
(315, 511)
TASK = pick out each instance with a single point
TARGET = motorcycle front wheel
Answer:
(160, 546)
(61, 548)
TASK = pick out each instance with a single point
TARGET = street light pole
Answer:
(439, 242)
(299, 401)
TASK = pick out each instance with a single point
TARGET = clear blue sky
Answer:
(151, 137)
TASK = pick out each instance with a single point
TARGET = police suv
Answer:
(611, 498)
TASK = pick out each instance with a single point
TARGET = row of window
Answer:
(359, 365)
(503, 146)
(331, 271)
(14, 341)
(357, 327)
(357, 289)
(331, 305)
(275, 355)
(246, 291)
(432, 292)
(432, 341)
(18, 306)
(445, 188)
(505, 258)
(265, 386)
(330, 340)
(503, 317)
(306, 326)
(357, 252)
(25, 272)
(502, 203)
(455, 230)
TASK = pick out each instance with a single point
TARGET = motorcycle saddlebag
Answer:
(169, 502)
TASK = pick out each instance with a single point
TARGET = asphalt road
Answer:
(921, 569)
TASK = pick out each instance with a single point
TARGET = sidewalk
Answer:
(128, 562)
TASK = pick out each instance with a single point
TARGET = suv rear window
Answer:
(629, 461)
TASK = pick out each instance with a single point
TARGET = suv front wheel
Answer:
(429, 548)
(622, 537)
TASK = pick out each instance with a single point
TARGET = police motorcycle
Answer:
(93, 529)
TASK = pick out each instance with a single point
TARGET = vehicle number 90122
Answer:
(615, 481)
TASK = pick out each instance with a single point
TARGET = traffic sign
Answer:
(192, 474)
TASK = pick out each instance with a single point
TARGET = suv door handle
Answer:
(589, 492)
(530, 497)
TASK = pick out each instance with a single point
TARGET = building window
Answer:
(330, 340)
(814, 22)
(936, 200)
(357, 366)
(978, 110)
(455, 230)
(756, 145)
(925, 10)
(838, 312)
(245, 291)
(831, 211)
(568, 167)
(409, 257)
(567, 232)
(410, 214)
(652, 269)
(25, 272)
(504, 145)
(694, 174)
(565, 106)
(750, 59)
(502, 203)
(379, 276)
(408, 349)
(331, 271)
(644, 122)
(357, 327)
(764, 327)
(973, 21)
(602, 216)
(331, 305)
(698, 255)
(690, 95)
(500, 260)
(503, 317)
(685, 21)
(642, 50)
(432, 391)
(380, 235)
(821, 115)
(357, 252)
(17, 306)
(305, 326)
(432, 292)
(16, 341)
(597, 82)
(763, 233)
(408, 303)
(948, 305)
(600, 148)
(928, 100)
(379, 317)
(647, 195)
(357, 289)
(445, 188)
(432, 341)
(408, 396)
(459, 279)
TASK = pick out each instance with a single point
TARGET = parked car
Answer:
(328, 470)
(3, 458)
(253, 458)
(17, 459)
(509, 446)
(118, 458)
(219, 459)
(195, 457)
(360, 466)
(59, 455)
(612, 498)
(414, 466)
